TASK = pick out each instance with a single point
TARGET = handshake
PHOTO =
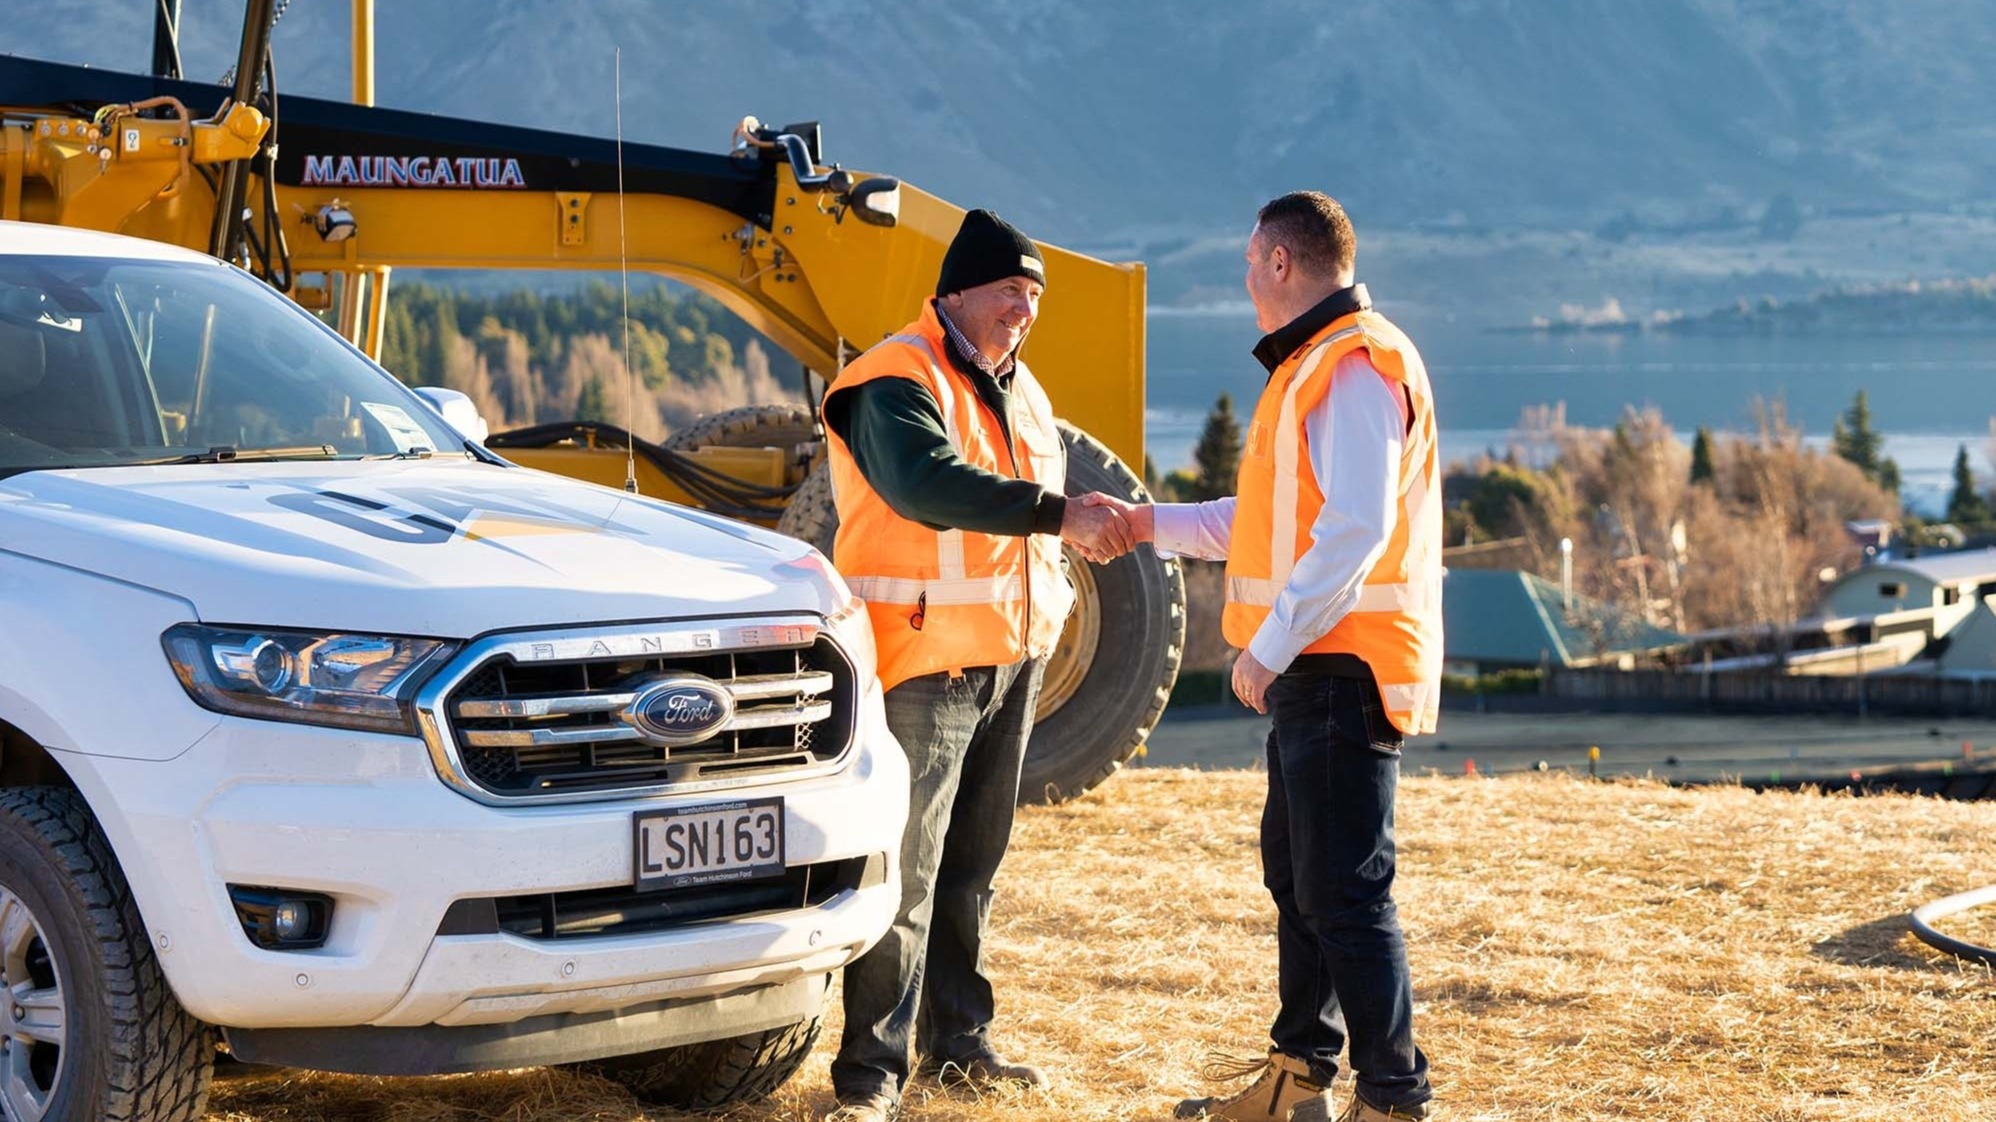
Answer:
(1102, 527)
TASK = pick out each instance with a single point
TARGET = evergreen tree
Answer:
(1966, 504)
(1702, 470)
(1853, 438)
(1218, 454)
(1888, 476)
(592, 404)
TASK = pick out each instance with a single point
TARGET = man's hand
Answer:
(1100, 533)
(1142, 519)
(1251, 681)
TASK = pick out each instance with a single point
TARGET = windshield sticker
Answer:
(402, 428)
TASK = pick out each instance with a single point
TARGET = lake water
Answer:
(1928, 394)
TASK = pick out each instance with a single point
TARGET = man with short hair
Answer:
(1333, 550)
(949, 474)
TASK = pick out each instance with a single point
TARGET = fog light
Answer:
(292, 920)
(279, 919)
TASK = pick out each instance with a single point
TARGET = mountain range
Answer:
(1130, 121)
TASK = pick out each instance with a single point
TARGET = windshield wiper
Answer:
(419, 452)
(228, 453)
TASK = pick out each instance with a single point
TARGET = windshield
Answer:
(112, 362)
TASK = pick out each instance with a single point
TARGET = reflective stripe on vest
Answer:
(1288, 453)
(1404, 597)
(959, 590)
(1415, 698)
(944, 400)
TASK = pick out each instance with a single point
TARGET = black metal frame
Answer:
(549, 161)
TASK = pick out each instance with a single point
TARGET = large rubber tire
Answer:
(1085, 733)
(719, 1073)
(788, 425)
(70, 931)
(812, 515)
(1122, 666)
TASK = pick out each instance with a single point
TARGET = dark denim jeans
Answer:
(1327, 858)
(966, 741)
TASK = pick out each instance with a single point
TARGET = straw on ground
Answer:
(1580, 951)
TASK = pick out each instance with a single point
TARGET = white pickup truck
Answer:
(328, 734)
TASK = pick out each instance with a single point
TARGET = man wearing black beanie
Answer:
(949, 473)
(988, 248)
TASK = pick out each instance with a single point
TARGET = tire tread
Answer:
(160, 1059)
(717, 1074)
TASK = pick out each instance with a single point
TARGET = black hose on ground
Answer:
(1923, 918)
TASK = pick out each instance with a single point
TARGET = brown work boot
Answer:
(986, 1070)
(872, 1108)
(1361, 1111)
(1282, 1084)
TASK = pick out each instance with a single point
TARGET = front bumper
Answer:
(364, 819)
(556, 1038)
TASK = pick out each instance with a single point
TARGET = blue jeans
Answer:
(925, 983)
(1327, 858)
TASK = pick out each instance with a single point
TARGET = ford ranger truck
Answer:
(332, 740)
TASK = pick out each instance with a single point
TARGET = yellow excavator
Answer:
(325, 199)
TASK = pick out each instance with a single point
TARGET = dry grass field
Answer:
(1580, 951)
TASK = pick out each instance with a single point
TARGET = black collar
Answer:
(1282, 342)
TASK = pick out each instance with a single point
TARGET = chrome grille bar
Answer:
(770, 717)
(745, 689)
(779, 685)
(763, 717)
(546, 706)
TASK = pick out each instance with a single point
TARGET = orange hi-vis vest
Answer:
(1396, 626)
(950, 599)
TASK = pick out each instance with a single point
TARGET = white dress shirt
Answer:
(1355, 436)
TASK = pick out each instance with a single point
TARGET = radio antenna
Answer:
(624, 274)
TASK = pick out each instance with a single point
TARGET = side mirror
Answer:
(457, 411)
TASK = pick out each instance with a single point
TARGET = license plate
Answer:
(709, 843)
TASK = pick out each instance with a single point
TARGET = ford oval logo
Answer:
(682, 709)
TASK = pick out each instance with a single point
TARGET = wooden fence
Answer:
(1755, 692)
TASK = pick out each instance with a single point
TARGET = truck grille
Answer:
(526, 728)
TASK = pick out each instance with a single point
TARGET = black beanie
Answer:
(988, 248)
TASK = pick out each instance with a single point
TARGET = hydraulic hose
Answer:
(715, 490)
(1923, 918)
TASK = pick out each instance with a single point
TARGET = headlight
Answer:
(348, 681)
(818, 565)
(854, 630)
(846, 615)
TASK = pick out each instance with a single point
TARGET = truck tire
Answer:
(1108, 682)
(70, 931)
(713, 1075)
(812, 516)
(788, 425)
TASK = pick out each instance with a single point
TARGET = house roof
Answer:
(1959, 567)
(1971, 646)
(1502, 615)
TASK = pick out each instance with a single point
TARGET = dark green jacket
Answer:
(894, 428)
